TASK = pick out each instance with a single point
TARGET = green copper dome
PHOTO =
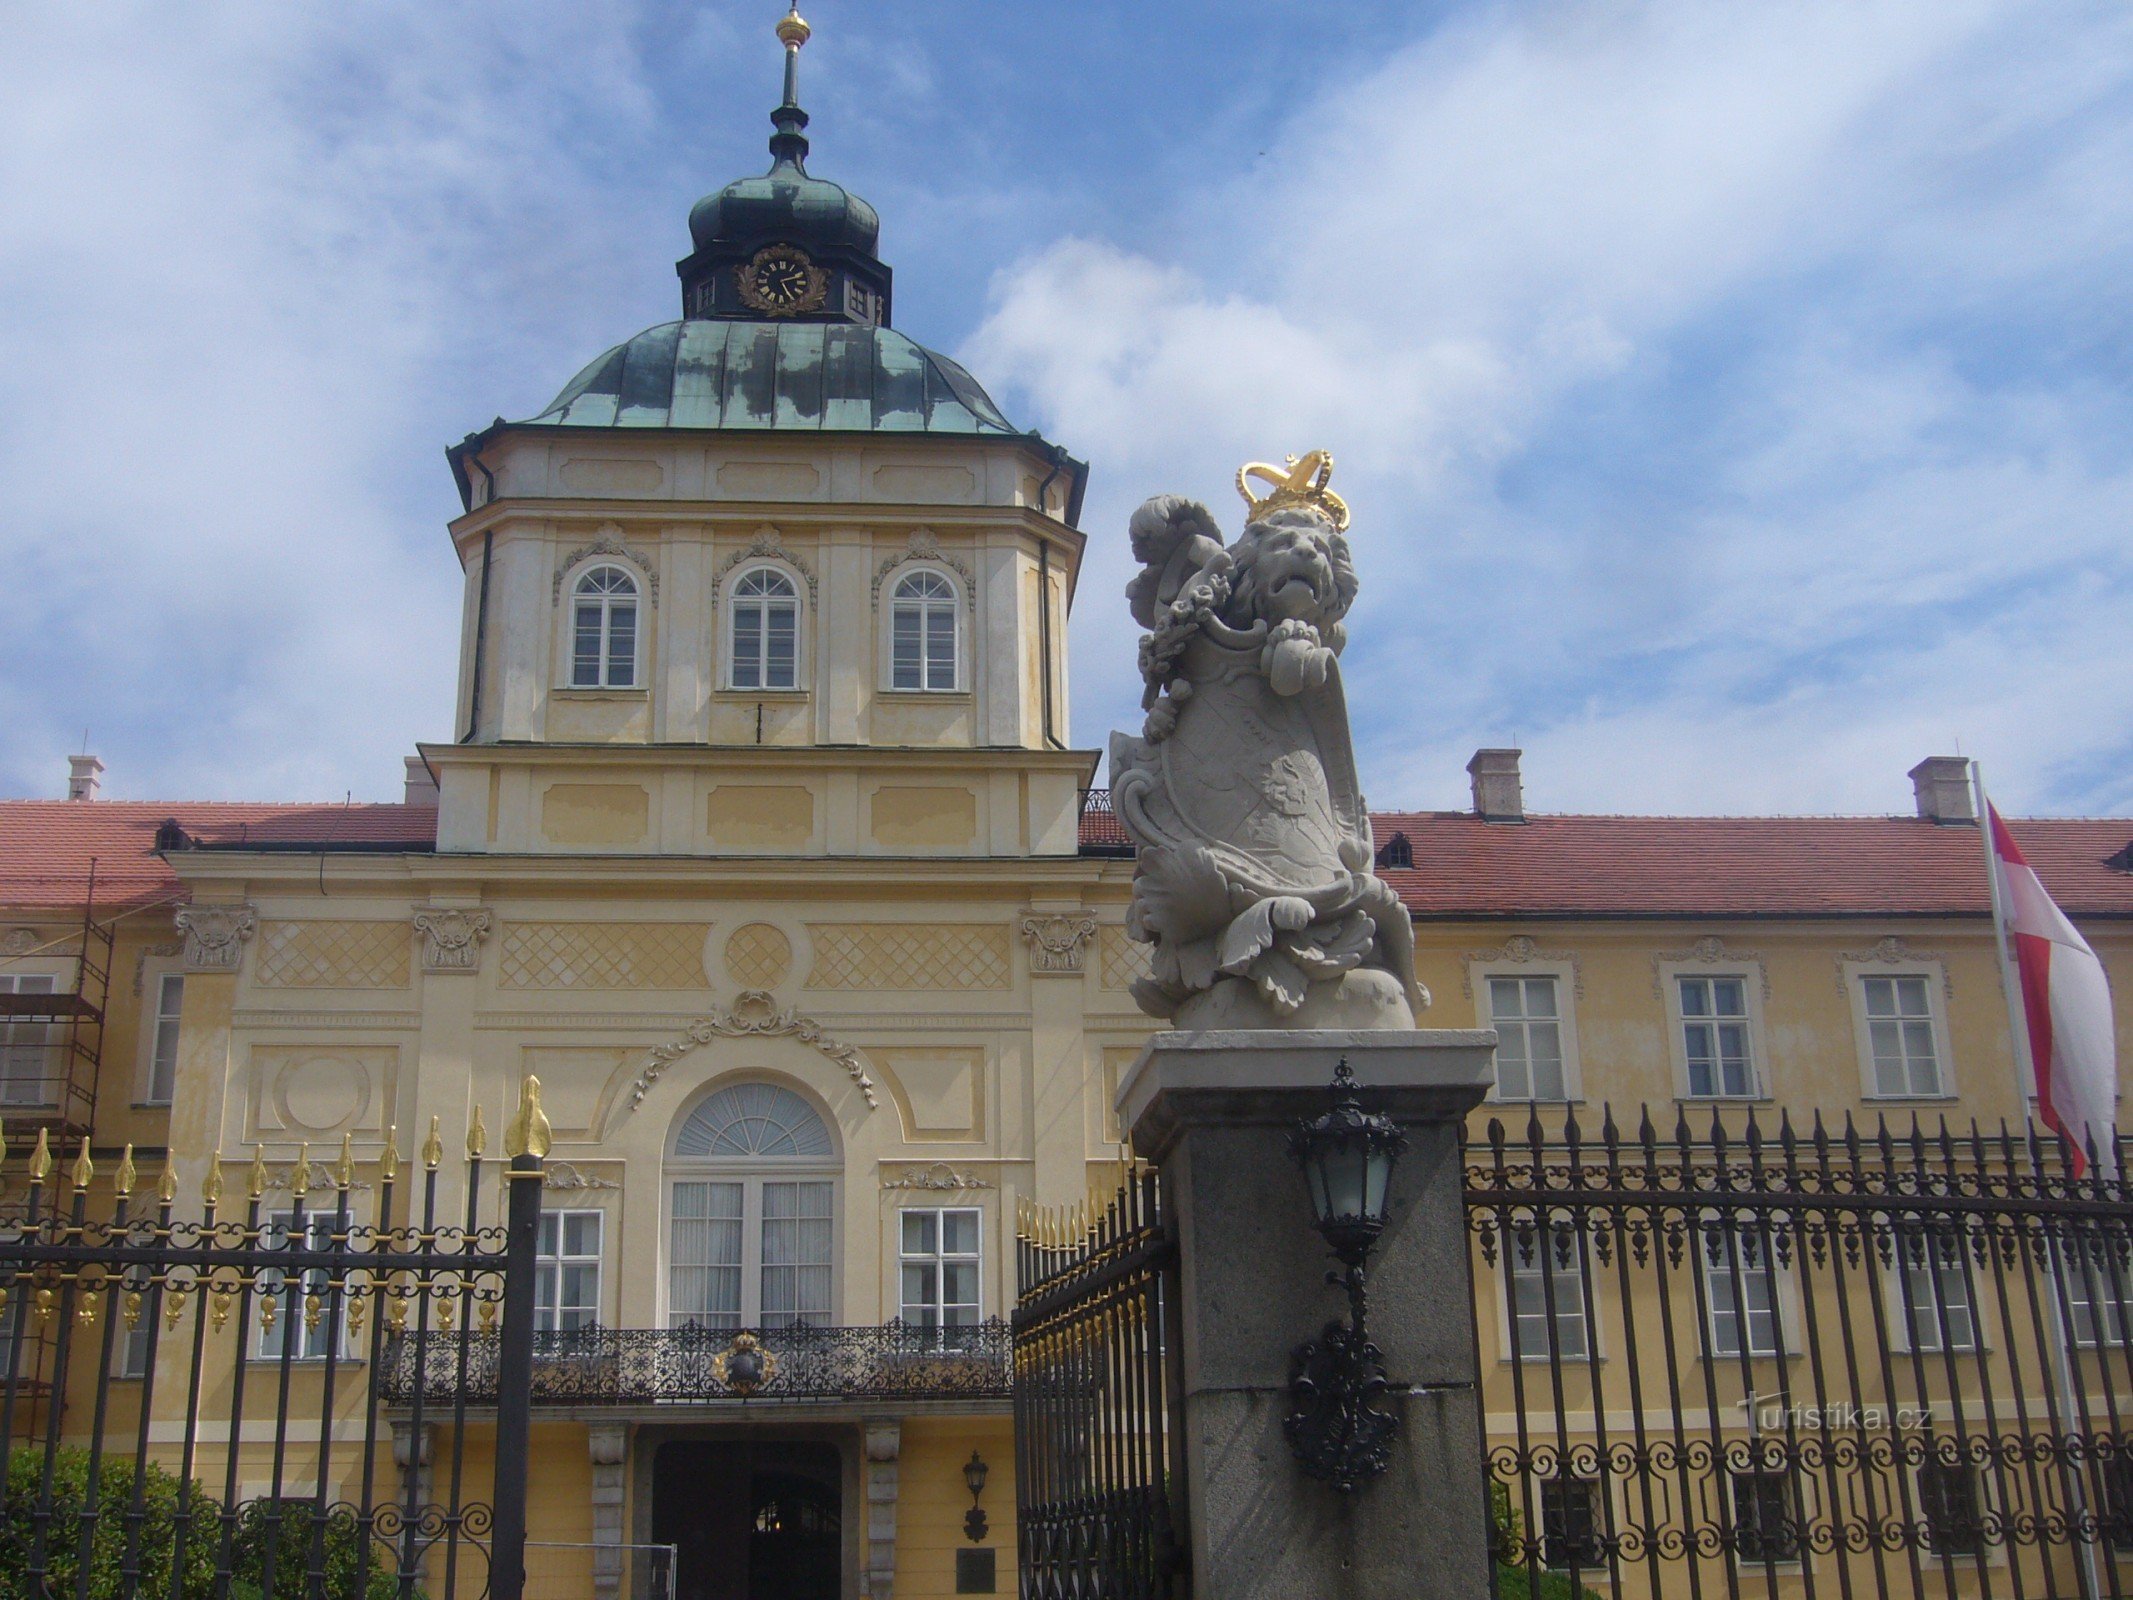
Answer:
(786, 204)
(819, 376)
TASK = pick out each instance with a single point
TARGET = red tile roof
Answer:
(46, 845)
(1722, 866)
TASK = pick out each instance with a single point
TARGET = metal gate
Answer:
(240, 1437)
(1843, 1362)
(1098, 1433)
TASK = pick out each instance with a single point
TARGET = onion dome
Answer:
(786, 244)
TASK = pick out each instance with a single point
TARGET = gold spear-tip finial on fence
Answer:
(389, 1158)
(84, 1168)
(529, 1133)
(122, 1184)
(300, 1175)
(3, 1141)
(167, 1185)
(344, 1170)
(433, 1146)
(256, 1179)
(41, 1157)
(211, 1185)
(477, 1135)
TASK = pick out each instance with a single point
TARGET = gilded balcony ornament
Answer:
(745, 1366)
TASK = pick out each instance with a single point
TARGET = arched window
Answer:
(603, 651)
(766, 631)
(752, 1234)
(922, 633)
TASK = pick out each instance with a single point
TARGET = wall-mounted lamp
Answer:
(974, 1474)
(1347, 1155)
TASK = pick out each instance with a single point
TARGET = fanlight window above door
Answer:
(753, 1122)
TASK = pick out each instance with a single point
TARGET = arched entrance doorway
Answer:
(752, 1519)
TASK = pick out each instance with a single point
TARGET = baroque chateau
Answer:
(756, 835)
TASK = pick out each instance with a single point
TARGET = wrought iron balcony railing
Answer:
(649, 1366)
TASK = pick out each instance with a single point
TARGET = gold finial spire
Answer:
(1300, 483)
(793, 30)
(122, 1184)
(167, 1185)
(300, 1176)
(529, 1133)
(84, 1168)
(477, 1135)
(433, 1146)
(256, 1180)
(211, 1185)
(344, 1170)
(389, 1158)
(3, 1142)
(41, 1157)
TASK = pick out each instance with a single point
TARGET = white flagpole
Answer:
(2026, 1072)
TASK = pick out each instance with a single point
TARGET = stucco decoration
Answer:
(606, 542)
(451, 939)
(753, 1013)
(1518, 950)
(20, 942)
(1057, 941)
(925, 545)
(215, 935)
(1710, 950)
(565, 1176)
(154, 952)
(769, 544)
(1253, 878)
(939, 1177)
(1894, 952)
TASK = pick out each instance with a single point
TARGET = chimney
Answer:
(1498, 795)
(85, 777)
(1942, 784)
(421, 787)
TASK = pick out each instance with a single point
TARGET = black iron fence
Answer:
(1098, 1438)
(1812, 1361)
(645, 1366)
(234, 1440)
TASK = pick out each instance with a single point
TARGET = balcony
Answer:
(891, 1361)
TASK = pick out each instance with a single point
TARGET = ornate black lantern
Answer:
(1347, 1155)
(974, 1474)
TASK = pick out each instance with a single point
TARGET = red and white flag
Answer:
(2066, 1007)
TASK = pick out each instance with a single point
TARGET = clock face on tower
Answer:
(780, 281)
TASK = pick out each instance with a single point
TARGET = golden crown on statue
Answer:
(1299, 483)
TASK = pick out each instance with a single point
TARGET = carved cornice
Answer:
(770, 543)
(1893, 952)
(1518, 949)
(215, 935)
(607, 541)
(753, 1014)
(451, 938)
(1711, 950)
(940, 1176)
(1058, 941)
(925, 545)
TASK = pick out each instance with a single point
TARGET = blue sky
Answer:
(1733, 400)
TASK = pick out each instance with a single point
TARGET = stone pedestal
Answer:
(1214, 1111)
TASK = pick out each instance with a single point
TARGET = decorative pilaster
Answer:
(609, 1445)
(884, 1442)
(1057, 941)
(451, 939)
(215, 935)
(413, 1450)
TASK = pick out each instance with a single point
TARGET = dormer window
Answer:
(766, 631)
(604, 630)
(922, 653)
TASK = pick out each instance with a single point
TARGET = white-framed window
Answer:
(1536, 1052)
(1766, 1515)
(763, 631)
(1545, 1272)
(161, 1080)
(566, 1271)
(1932, 1299)
(923, 651)
(938, 1263)
(752, 1229)
(1717, 1035)
(29, 1051)
(1903, 1037)
(603, 629)
(1744, 1290)
(292, 1318)
(2097, 1281)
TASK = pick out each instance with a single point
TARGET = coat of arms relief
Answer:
(1253, 880)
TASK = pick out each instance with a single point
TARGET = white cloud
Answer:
(1669, 353)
